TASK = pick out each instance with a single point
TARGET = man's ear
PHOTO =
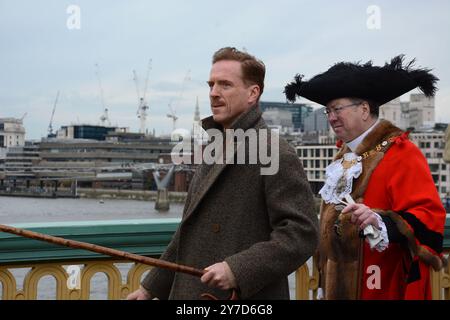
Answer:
(254, 92)
(366, 109)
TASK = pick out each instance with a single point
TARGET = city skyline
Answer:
(45, 50)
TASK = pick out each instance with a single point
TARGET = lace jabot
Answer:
(339, 181)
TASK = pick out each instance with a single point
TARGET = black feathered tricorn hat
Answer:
(364, 81)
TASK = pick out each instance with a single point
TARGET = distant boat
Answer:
(101, 201)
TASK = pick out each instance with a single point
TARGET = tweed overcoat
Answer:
(263, 226)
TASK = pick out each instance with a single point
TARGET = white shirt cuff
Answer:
(377, 238)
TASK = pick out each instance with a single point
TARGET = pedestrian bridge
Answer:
(31, 269)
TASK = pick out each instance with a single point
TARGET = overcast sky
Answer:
(40, 54)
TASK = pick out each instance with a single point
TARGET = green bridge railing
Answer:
(144, 237)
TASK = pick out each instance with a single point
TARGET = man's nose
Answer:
(213, 91)
(332, 116)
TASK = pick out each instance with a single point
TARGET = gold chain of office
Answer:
(378, 148)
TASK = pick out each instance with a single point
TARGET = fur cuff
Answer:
(423, 252)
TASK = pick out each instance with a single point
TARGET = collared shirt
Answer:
(356, 142)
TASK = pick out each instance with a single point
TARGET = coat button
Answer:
(215, 227)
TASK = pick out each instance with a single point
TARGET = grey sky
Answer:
(40, 55)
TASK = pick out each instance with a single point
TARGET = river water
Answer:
(19, 210)
(25, 210)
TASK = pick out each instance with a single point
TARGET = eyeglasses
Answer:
(338, 109)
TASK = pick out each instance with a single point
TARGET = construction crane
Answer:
(172, 115)
(24, 115)
(50, 125)
(104, 118)
(142, 102)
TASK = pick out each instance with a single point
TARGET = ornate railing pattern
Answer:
(78, 288)
(74, 270)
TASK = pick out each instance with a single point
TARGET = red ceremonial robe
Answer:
(396, 182)
(403, 188)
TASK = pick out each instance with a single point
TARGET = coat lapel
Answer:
(206, 184)
(210, 173)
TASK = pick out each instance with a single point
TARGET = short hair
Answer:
(253, 69)
(373, 106)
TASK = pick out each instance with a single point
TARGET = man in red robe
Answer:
(382, 220)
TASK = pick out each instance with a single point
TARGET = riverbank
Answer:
(90, 193)
(147, 195)
(47, 195)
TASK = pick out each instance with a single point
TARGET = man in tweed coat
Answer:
(249, 231)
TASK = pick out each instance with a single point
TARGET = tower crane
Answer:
(172, 115)
(24, 115)
(50, 126)
(104, 118)
(142, 102)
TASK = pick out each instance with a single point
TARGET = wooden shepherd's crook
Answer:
(108, 251)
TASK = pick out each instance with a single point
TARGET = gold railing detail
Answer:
(31, 281)
(88, 269)
(306, 284)
(134, 276)
(440, 283)
(306, 280)
(8, 284)
(111, 272)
